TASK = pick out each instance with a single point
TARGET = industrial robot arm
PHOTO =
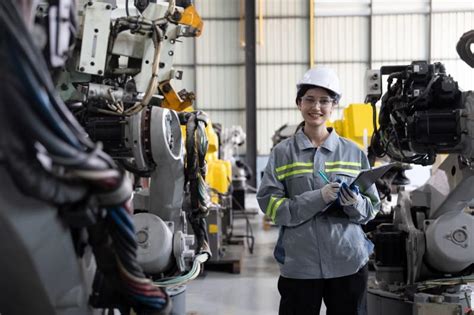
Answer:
(424, 113)
(116, 84)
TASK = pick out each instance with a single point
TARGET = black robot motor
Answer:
(420, 113)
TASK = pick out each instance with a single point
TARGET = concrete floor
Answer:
(254, 290)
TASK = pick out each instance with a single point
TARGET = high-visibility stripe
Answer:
(275, 207)
(268, 211)
(343, 163)
(296, 172)
(339, 169)
(293, 165)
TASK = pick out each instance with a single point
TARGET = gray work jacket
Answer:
(314, 243)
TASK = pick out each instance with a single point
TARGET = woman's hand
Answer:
(349, 197)
(329, 192)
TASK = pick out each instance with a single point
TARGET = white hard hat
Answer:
(323, 77)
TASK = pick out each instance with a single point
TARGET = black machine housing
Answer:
(420, 114)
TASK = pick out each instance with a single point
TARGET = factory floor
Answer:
(254, 290)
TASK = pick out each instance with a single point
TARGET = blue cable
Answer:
(152, 299)
(125, 217)
(154, 302)
(48, 112)
(129, 233)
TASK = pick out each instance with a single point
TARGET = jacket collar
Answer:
(303, 142)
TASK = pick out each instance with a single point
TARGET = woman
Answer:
(322, 250)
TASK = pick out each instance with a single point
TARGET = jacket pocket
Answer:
(298, 184)
(347, 238)
(301, 245)
(279, 251)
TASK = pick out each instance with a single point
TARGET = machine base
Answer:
(229, 261)
(387, 303)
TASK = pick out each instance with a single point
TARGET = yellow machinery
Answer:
(356, 124)
(218, 179)
(219, 172)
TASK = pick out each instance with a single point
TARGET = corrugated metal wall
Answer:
(447, 28)
(219, 66)
(342, 43)
(282, 57)
(349, 35)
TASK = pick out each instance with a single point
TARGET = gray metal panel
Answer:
(451, 5)
(187, 82)
(338, 111)
(283, 40)
(387, 7)
(227, 118)
(351, 76)
(217, 8)
(341, 39)
(447, 29)
(342, 8)
(184, 51)
(400, 37)
(95, 38)
(276, 85)
(461, 72)
(219, 43)
(284, 7)
(400, 6)
(220, 87)
(268, 121)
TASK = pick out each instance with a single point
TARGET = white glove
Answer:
(348, 197)
(329, 192)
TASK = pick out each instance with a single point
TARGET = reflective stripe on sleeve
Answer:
(268, 211)
(273, 206)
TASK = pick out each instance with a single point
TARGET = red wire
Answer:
(145, 289)
(128, 206)
(148, 293)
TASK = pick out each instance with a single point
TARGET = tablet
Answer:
(367, 178)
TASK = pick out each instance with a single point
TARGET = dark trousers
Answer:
(342, 296)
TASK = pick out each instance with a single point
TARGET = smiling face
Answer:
(316, 107)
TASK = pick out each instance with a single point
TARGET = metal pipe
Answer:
(260, 23)
(430, 31)
(241, 23)
(338, 14)
(370, 41)
(311, 33)
(251, 89)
